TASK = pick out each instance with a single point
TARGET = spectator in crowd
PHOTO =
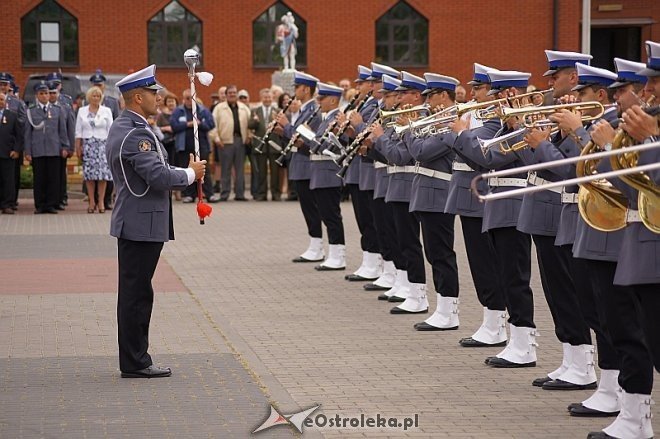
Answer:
(276, 91)
(222, 97)
(231, 118)
(92, 126)
(244, 97)
(345, 84)
(10, 149)
(98, 80)
(170, 102)
(261, 118)
(181, 122)
(461, 94)
(215, 100)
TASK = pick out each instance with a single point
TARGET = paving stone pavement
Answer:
(242, 326)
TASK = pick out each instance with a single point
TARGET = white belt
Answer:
(632, 216)
(294, 149)
(569, 198)
(432, 173)
(458, 166)
(538, 181)
(379, 165)
(400, 169)
(497, 181)
(319, 158)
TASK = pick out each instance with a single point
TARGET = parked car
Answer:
(72, 84)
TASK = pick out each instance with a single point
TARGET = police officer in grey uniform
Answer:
(433, 156)
(632, 310)
(18, 106)
(46, 143)
(54, 98)
(299, 165)
(402, 171)
(539, 216)
(481, 255)
(500, 220)
(324, 183)
(142, 218)
(383, 215)
(362, 199)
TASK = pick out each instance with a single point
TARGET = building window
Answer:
(49, 35)
(172, 31)
(265, 48)
(402, 37)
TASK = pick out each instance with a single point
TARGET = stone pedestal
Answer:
(283, 78)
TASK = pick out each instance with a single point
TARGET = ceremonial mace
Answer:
(191, 58)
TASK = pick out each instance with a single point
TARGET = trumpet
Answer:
(486, 110)
(384, 114)
(505, 144)
(445, 115)
(531, 115)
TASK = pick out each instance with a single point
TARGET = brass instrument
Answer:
(396, 113)
(504, 141)
(487, 109)
(578, 180)
(648, 200)
(531, 115)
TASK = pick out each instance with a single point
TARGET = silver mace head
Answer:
(191, 58)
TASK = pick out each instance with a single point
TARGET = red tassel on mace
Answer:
(203, 209)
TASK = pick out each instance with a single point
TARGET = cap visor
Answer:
(580, 87)
(550, 72)
(402, 88)
(493, 91)
(649, 72)
(618, 84)
(473, 82)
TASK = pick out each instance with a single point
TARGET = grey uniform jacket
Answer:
(400, 183)
(367, 179)
(381, 178)
(19, 107)
(324, 171)
(299, 165)
(138, 166)
(112, 104)
(70, 116)
(429, 194)
(540, 211)
(639, 257)
(353, 173)
(45, 133)
(589, 242)
(499, 213)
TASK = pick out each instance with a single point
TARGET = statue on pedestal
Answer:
(286, 35)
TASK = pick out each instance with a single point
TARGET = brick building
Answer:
(237, 37)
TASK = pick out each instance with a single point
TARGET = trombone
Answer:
(562, 162)
(393, 114)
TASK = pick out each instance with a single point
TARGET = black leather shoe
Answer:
(469, 342)
(397, 310)
(423, 326)
(50, 210)
(60, 206)
(374, 287)
(565, 385)
(383, 297)
(599, 435)
(539, 382)
(301, 259)
(358, 278)
(8, 211)
(149, 372)
(240, 199)
(577, 409)
(506, 364)
(487, 360)
(395, 299)
(65, 202)
(324, 268)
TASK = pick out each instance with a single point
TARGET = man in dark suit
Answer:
(260, 118)
(10, 149)
(142, 217)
